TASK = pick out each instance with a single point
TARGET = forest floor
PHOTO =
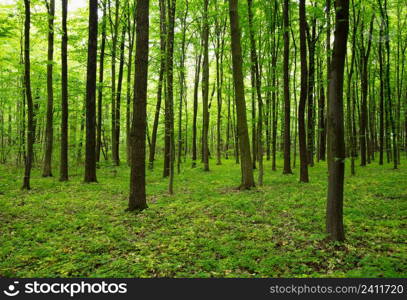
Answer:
(207, 229)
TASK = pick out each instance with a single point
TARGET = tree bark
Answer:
(242, 130)
(205, 86)
(287, 100)
(100, 88)
(64, 100)
(257, 83)
(28, 93)
(170, 92)
(336, 137)
(302, 135)
(90, 158)
(137, 199)
(49, 131)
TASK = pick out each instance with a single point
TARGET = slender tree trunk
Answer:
(242, 130)
(352, 146)
(64, 100)
(385, 17)
(302, 136)
(257, 83)
(227, 144)
(90, 159)
(100, 88)
(49, 131)
(336, 136)
(163, 34)
(131, 24)
(205, 86)
(311, 84)
(182, 86)
(30, 110)
(137, 198)
(170, 93)
(118, 97)
(363, 134)
(115, 30)
(195, 115)
(287, 100)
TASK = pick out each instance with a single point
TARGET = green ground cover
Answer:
(207, 229)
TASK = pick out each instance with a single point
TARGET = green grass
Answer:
(207, 229)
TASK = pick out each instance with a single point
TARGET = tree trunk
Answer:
(30, 110)
(114, 30)
(131, 35)
(64, 100)
(205, 87)
(302, 135)
(242, 130)
(257, 83)
(170, 92)
(90, 159)
(287, 100)
(49, 131)
(195, 115)
(118, 97)
(137, 198)
(336, 137)
(100, 88)
(163, 34)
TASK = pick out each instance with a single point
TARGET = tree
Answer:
(28, 94)
(169, 105)
(302, 135)
(242, 131)
(49, 131)
(90, 158)
(163, 34)
(257, 83)
(205, 86)
(100, 87)
(287, 100)
(64, 101)
(115, 106)
(198, 60)
(336, 136)
(364, 62)
(137, 198)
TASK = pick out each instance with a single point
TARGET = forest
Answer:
(203, 138)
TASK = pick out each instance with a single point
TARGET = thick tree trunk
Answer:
(90, 159)
(137, 198)
(242, 130)
(336, 137)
